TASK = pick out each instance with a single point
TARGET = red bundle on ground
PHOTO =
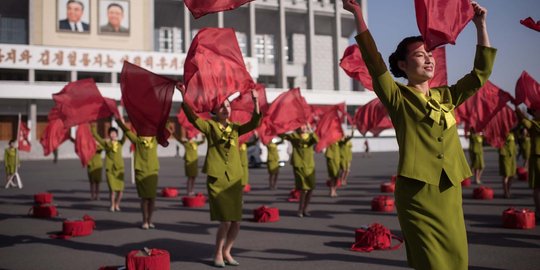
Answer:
(466, 182)
(169, 192)
(266, 214)
(43, 198)
(483, 193)
(382, 204)
(522, 173)
(518, 219)
(388, 187)
(157, 260)
(78, 227)
(198, 200)
(376, 237)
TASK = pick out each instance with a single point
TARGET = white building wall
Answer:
(323, 63)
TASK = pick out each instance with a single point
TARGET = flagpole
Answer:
(17, 177)
(132, 168)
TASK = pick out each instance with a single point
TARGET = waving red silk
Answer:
(440, 76)
(200, 8)
(242, 109)
(189, 129)
(55, 133)
(329, 129)
(353, 64)
(529, 22)
(81, 102)
(500, 125)
(480, 108)
(440, 22)
(372, 117)
(147, 98)
(24, 143)
(85, 144)
(289, 111)
(528, 91)
(214, 69)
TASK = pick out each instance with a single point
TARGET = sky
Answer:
(518, 47)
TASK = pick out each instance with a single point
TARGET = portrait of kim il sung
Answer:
(73, 16)
(114, 17)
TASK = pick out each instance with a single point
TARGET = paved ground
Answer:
(318, 242)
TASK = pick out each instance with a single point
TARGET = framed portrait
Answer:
(114, 17)
(73, 16)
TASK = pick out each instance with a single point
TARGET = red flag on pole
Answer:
(24, 143)
(353, 64)
(440, 22)
(85, 144)
(528, 91)
(200, 8)
(214, 69)
(242, 109)
(329, 129)
(55, 133)
(440, 77)
(529, 23)
(500, 125)
(372, 117)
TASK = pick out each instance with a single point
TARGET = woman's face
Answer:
(113, 135)
(224, 111)
(419, 64)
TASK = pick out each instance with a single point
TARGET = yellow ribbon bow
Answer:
(226, 135)
(114, 146)
(510, 137)
(304, 136)
(243, 147)
(147, 142)
(479, 139)
(441, 111)
(193, 145)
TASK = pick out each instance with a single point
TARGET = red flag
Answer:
(55, 133)
(372, 117)
(329, 129)
(214, 69)
(81, 102)
(85, 144)
(147, 98)
(200, 8)
(242, 109)
(24, 143)
(528, 91)
(500, 125)
(480, 108)
(353, 64)
(440, 22)
(529, 22)
(440, 76)
(286, 113)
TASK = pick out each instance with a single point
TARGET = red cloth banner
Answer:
(55, 133)
(500, 125)
(372, 117)
(242, 110)
(85, 144)
(440, 22)
(529, 23)
(329, 129)
(199, 8)
(353, 64)
(24, 143)
(214, 69)
(440, 77)
(147, 98)
(528, 91)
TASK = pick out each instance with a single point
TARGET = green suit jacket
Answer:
(534, 130)
(302, 156)
(426, 147)
(146, 157)
(113, 159)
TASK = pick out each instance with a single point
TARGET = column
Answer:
(252, 30)
(310, 36)
(220, 20)
(335, 40)
(281, 43)
(32, 120)
(187, 29)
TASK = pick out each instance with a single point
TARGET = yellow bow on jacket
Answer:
(441, 111)
(114, 146)
(147, 142)
(226, 135)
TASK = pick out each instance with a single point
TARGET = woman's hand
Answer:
(351, 5)
(480, 14)
(254, 94)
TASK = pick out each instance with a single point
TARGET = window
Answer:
(170, 39)
(13, 75)
(14, 22)
(242, 43)
(264, 48)
(98, 77)
(52, 76)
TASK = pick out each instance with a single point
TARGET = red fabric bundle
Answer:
(55, 133)
(266, 214)
(43, 198)
(43, 211)
(81, 102)
(372, 117)
(522, 173)
(157, 260)
(214, 69)
(498, 128)
(247, 188)
(518, 219)
(529, 22)
(393, 179)
(199, 8)
(198, 200)
(375, 237)
(79, 227)
(329, 129)
(242, 109)
(466, 182)
(528, 91)
(24, 143)
(169, 192)
(483, 193)
(289, 111)
(147, 98)
(353, 64)
(382, 204)
(440, 22)
(440, 76)
(294, 195)
(388, 187)
(85, 144)
(338, 183)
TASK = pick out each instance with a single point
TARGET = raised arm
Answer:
(127, 133)
(255, 117)
(194, 119)
(96, 136)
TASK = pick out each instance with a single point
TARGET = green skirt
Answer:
(191, 168)
(333, 167)
(245, 176)
(225, 198)
(146, 185)
(115, 179)
(10, 169)
(432, 223)
(534, 171)
(477, 161)
(507, 166)
(345, 164)
(304, 180)
(94, 175)
(273, 166)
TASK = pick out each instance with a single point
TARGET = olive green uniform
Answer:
(302, 159)
(345, 148)
(476, 151)
(114, 161)
(223, 165)
(272, 160)
(526, 147)
(95, 166)
(534, 160)
(431, 160)
(191, 157)
(10, 160)
(333, 160)
(507, 157)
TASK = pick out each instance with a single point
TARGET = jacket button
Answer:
(440, 156)
(440, 139)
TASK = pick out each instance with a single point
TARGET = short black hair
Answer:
(111, 129)
(115, 5)
(76, 2)
(11, 141)
(401, 55)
